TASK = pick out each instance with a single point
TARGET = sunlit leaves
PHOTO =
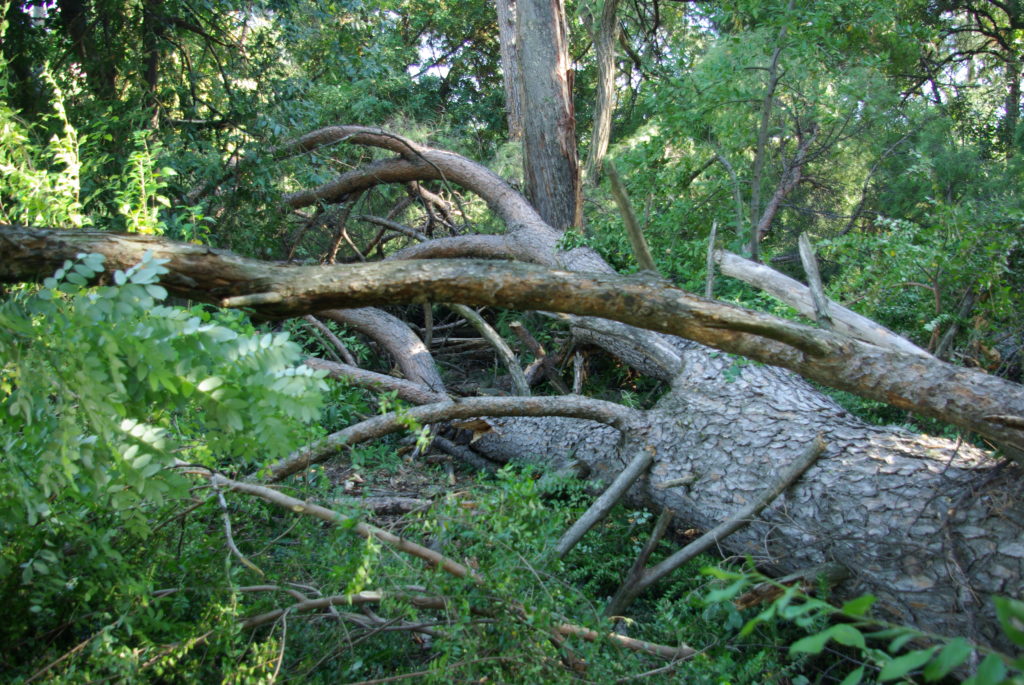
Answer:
(99, 385)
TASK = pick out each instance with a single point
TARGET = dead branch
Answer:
(410, 354)
(810, 262)
(799, 296)
(335, 340)
(407, 390)
(230, 539)
(576, 407)
(636, 234)
(608, 499)
(408, 231)
(542, 362)
(433, 558)
(465, 455)
(360, 528)
(627, 593)
(665, 652)
(341, 232)
(636, 571)
(505, 352)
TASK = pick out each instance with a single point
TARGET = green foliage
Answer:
(38, 186)
(125, 368)
(851, 626)
(101, 390)
(904, 277)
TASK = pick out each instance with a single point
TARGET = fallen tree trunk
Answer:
(930, 526)
(970, 399)
(916, 519)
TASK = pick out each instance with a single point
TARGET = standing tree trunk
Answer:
(1012, 105)
(762, 141)
(510, 75)
(549, 125)
(606, 35)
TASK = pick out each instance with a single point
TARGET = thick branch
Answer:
(960, 396)
(798, 296)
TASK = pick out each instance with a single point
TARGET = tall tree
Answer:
(605, 32)
(549, 122)
(510, 75)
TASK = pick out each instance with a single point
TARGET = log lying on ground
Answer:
(930, 527)
(970, 399)
(921, 522)
(926, 524)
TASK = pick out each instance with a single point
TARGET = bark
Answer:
(798, 296)
(926, 524)
(606, 36)
(406, 389)
(549, 130)
(970, 399)
(510, 75)
(410, 354)
(615, 415)
(762, 141)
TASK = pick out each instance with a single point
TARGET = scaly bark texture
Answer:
(930, 526)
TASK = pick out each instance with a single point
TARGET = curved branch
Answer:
(411, 355)
(931, 387)
(571, 406)
(417, 163)
(407, 390)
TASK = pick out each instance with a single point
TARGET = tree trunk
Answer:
(1012, 105)
(549, 125)
(606, 36)
(510, 68)
(930, 526)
